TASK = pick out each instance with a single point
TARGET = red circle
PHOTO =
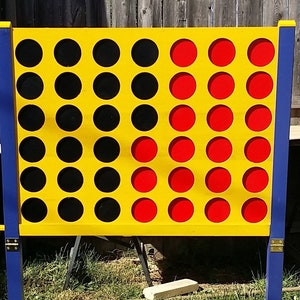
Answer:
(182, 118)
(181, 210)
(218, 180)
(221, 52)
(254, 210)
(261, 52)
(144, 149)
(255, 180)
(183, 53)
(181, 149)
(258, 118)
(220, 118)
(257, 149)
(221, 85)
(217, 210)
(181, 179)
(182, 85)
(219, 149)
(144, 179)
(144, 210)
(259, 85)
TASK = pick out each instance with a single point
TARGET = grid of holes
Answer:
(106, 118)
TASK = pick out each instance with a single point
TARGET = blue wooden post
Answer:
(9, 166)
(275, 253)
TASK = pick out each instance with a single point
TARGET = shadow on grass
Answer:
(214, 260)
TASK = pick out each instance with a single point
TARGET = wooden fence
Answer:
(159, 13)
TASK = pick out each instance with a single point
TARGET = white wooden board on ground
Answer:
(170, 289)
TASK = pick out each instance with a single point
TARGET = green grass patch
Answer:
(120, 277)
(93, 277)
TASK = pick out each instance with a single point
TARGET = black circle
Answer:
(144, 86)
(70, 209)
(29, 53)
(32, 149)
(31, 117)
(69, 118)
(68, 85)
(67, 52)
(106, 118)
(107, 209)
(34, 210)
(106, 53)
(30, 85)
(106, 85)
(33, 179)
(69, 149)
(106, 149)
(144, 117)
(107, 179)
(144, 52)
(70, 179)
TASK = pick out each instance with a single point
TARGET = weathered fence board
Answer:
(149, 13)
(294, 13)
(199, 13)
(98, 13)
(8, 10)
(250, 12)
(225, 13)
(273, 11)
(174, 13)
(124, 13)
(25, 14)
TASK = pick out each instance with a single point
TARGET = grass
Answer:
(119, 276)
(92, 278)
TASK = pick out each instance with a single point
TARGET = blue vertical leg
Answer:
(275, 253)
(9, 166)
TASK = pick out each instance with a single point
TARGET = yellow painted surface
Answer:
(5, 24)
(125, 133)
(287, 23)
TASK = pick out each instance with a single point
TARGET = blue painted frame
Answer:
(280, 163)
(9, 165)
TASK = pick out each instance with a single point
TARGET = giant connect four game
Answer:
(128, 131)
